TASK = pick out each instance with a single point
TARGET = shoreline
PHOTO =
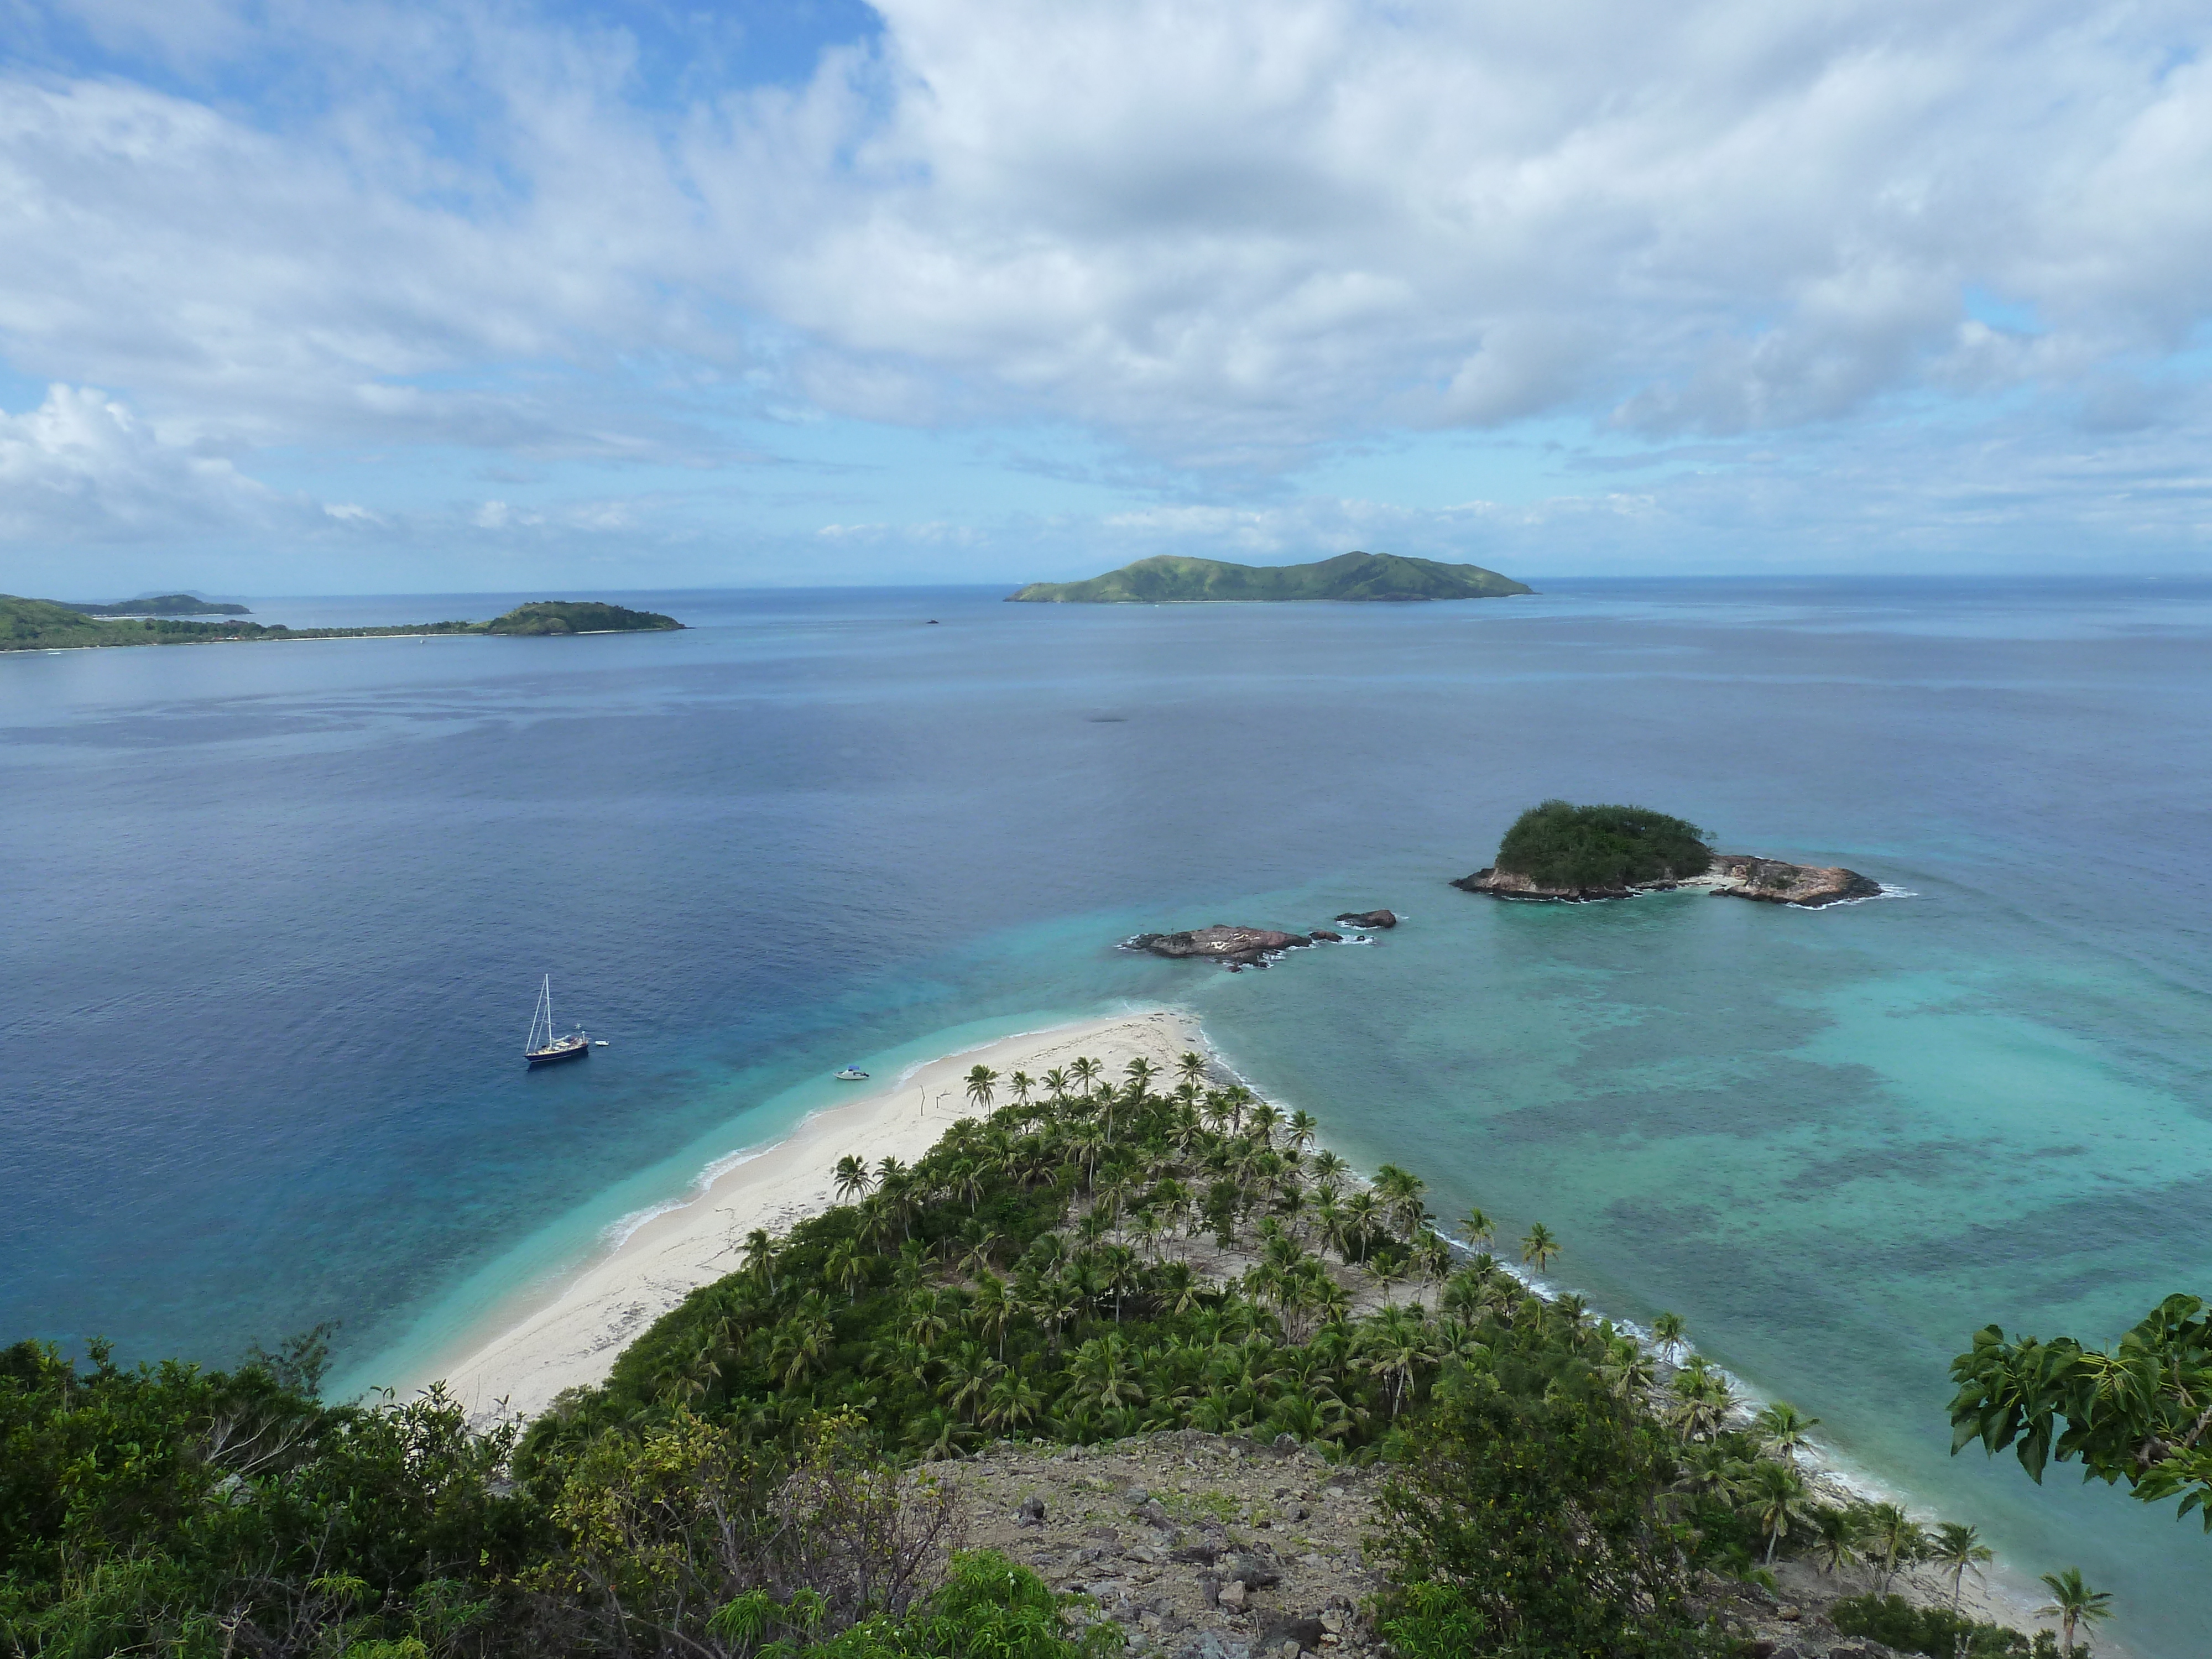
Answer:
(568, 1332)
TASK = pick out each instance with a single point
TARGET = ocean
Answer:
(272, 918)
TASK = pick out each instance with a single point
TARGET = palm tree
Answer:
(1702, 1401)
(846, 1266)
(1538, 1245)
(1667, 1331)
(1627, 1372)
(939, 1434)
(1235, 1098)
(1783, 1428)
(1014, 1403)
(1301, 1128)
(1087, 1071)
(1191, 1068)
(1397, 1342)
(1400, 1192)
(980, 1080)
(1836, 1538)
(1779, 1499)
(852, 1176)
(1140, 1072)
(1958, 1549)
(760, 1253)
(1055, 1085)
(1894, 1542)
(1021, 1086)
(1481, 1229)
(2074, 1604)
(1386, 1267)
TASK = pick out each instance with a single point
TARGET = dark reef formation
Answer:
(1368, 918)
(1235, 947)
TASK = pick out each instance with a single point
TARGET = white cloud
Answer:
(80, 467)
(1228, 238)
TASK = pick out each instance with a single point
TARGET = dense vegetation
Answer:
(164, 604)
(42, 625)
(1087, 1261)
(1171, 578)
(1559, 845)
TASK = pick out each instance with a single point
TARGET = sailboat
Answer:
(542, 1047)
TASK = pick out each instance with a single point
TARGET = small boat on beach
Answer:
(541, 1047)
(852, 1074)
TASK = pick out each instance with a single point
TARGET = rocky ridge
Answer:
(1732, 875)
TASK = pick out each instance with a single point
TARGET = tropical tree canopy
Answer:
(2138, 1413)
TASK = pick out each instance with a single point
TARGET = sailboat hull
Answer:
(573, 1048)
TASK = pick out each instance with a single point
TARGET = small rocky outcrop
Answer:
(1237, 947)
(1368, 918)
(1323, 936)
(1743, 875)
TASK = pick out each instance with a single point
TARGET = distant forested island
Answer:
(47, 625)
(1169, 578)
(162, 604)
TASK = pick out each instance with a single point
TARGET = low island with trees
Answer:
(1173, 578)
(48, 625)
(1558, 851)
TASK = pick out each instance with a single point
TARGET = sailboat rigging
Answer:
(542, 1047)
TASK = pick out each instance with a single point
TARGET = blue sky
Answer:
(350, 297)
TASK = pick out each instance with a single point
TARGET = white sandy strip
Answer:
(574, 1337)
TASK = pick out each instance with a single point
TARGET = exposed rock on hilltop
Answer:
(1741, 875)
(1199, 1546)
(1238, 947)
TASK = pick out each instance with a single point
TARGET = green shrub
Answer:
(1937, 1631)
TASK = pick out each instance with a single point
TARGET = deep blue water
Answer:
(272, 917)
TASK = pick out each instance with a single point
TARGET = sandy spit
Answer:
(573, 1336)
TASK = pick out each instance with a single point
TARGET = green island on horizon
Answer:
(1173, 578)
(161, 604)
(49, 625)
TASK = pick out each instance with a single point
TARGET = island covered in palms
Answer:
(1171, 579)
(47, 625)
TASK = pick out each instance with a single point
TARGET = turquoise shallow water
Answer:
(276, 914)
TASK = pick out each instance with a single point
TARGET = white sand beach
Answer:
(573, 1336)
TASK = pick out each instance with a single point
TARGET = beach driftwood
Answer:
(1732, 875)
(1238, 947)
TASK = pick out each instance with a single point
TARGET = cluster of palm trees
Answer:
(1087, 1259)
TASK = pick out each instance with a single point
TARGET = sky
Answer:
(325, 296)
